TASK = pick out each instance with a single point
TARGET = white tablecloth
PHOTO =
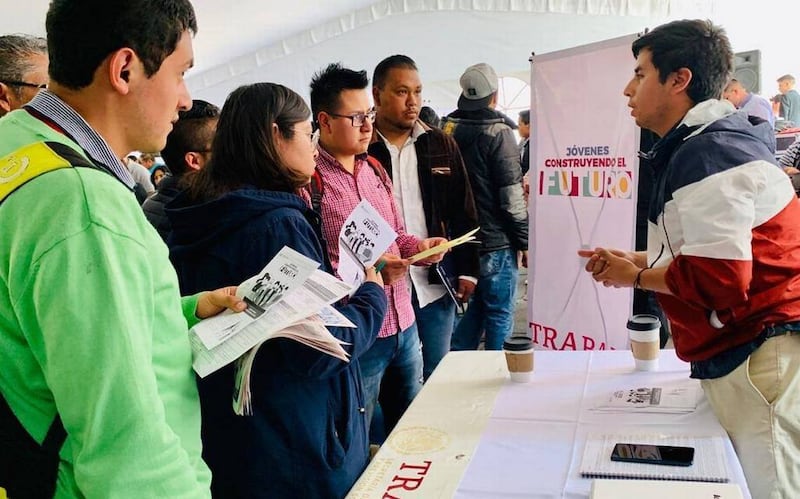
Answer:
(471, 433)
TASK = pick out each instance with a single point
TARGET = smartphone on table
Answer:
(668, 455)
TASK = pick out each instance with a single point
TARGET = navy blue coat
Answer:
(307, 436)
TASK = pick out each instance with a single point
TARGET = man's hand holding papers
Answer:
(432, 249)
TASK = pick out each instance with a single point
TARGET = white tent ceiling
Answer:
(242, 41)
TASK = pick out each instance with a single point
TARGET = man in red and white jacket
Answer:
(723, 252)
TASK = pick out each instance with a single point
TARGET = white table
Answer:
(471, 433)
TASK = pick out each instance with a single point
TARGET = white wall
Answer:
(442, 43)
(767, 26)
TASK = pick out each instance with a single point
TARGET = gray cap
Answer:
(478, 83)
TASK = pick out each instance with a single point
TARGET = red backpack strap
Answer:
(315, 191)
(380, 171)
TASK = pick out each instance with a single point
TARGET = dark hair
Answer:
(15, 53)
(525, 116)
(429, 116)
(695, 44)
(244, 150)
(326, 85)
(81, 34)
(391, 62)
(193, 132)
(156, 168)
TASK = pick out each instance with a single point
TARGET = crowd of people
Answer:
(98, 395)
(126, 413)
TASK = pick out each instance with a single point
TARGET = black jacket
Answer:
(492, 159)
(446, 194)
(526, 155)
(154, 205)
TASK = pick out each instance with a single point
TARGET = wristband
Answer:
(637, 283)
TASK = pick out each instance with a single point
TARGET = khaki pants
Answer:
(758, 404)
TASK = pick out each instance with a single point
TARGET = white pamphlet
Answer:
(675, 399)
(364, 237)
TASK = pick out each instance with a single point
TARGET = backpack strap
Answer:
(315, 191)
(30, 161)
(25, 164)
(380, 171)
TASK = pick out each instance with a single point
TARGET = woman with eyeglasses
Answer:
(307, 436)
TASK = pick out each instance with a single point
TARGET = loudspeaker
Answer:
(747, 69)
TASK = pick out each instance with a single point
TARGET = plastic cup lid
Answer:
(518, 343)
(644, 322)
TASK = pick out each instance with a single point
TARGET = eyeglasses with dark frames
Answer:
(24, 84)
(358, 119)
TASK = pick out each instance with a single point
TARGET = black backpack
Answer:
(28, 470)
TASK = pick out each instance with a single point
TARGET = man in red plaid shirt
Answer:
(342, 110)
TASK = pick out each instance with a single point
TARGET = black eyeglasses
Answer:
(25, 84)
(358, 119)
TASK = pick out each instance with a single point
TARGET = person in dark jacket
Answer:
(524, 122)
(188, 149)
(492, 158)
(158, 174)
(433, 196)
(428, 116)
(307, 436)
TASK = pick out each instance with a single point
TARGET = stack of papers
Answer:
(680, 399)
(289, 298)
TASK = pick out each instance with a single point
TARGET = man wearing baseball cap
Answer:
(492, 159)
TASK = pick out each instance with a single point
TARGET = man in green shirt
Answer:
(92, 327)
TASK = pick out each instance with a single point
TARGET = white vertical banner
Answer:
(583, 182)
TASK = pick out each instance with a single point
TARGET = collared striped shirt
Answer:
(80, 131)
(342, 191)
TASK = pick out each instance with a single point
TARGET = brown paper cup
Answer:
(520, 365)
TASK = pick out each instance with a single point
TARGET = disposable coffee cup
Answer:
(519, 358)
(644, 333)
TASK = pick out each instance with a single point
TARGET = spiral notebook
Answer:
(710, 463)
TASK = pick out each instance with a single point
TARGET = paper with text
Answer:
(675, 399)
(284, 273)
(309, 294)
(364, 237)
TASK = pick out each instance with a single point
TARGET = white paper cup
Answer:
(644, 334)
